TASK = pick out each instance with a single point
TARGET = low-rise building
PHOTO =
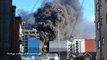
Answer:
(26, 34)
(61, 47)
(82, 45)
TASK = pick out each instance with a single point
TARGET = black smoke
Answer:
(57, 17)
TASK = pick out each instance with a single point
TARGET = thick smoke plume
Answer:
(63, 18)
(57, 18)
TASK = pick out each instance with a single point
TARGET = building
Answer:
(83, 45)
(7, 29)
(26, 34)
(101, 29)
(61, 47)
(33, 45)
(33, 48)
(17, 38)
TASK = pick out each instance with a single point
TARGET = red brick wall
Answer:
(89, 45)
(17, 29)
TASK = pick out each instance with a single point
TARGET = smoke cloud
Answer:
(61, 18)
(57, 18)
(85, 29)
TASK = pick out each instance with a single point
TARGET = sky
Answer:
(32, 5)
(88, 9)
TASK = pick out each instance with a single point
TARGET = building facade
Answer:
(26, 34)
(16, 43)
(7, 29)
(83, 45)
(101, 29)
(62, 48)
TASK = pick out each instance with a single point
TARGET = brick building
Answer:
(101, 29)
(17, 38)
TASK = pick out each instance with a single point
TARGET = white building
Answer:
(62, 46)
(78, 45)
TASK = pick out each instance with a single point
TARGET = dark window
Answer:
(106, 18)
(20, 41)
(52, 59)
(98, 25)
(99, 44)
(102, 40)
(26, 39)
(25, 48)
(103, 58)
(97, 6)
(32, 32)
(105, 0)
(101, 21)
(71, 58)
(26, 32)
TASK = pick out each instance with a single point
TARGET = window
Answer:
(97, 6)
(52, 59)
(101, 21)
(98, 25)
(87, 58)
(106, 18)
(73, 48)
(103, 58)
(102, 40)
(71, 58)
(105, 0)
(99, 44)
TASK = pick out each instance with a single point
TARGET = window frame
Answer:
(98, 25)
(99, 44)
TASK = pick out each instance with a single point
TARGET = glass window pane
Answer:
(87, 58)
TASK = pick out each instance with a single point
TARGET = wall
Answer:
(89, 45)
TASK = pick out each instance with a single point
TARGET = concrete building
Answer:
(83, 45)
(61, 47)
(26, 34)
(7, 29)
(101, 29)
